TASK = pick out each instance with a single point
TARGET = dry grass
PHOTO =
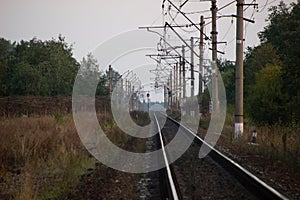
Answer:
(43, 157)
(40, 158)
(277, 143)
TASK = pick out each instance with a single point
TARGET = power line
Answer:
(173, 20)
(206, 37)
(233, 39)
(249, 5)
(196, 12)
(226, 5)
(231, 25)
(264, 6)
(247, 24)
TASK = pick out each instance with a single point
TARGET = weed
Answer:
(27, 191)
(59, 117)
(277, 143)
(43, 154)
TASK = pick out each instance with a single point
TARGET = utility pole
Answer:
(110, 80)
(239, 72)
(214, 34)
(180, 79)
(148, 99)
(168, 96)
(132, 99)
(129, 88)
(183, 72)
(192, 67)
(126, 87)
(121, 93)
(176, 85)
(171, 89)
(201, 70)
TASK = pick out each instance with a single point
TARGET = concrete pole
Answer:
(180, 79)
(201, 70)
(110, 80)
(129, 93)
(171, 89)
(122, 89)
(192, 68)
(129, 88)
(165, 97)
(176, 85)
(126, 87)
(183, 72)
(239, 72)
(214, 34)
(132, 99)
(122, 93)
(168, 97)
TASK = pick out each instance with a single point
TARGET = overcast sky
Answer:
(88, 23)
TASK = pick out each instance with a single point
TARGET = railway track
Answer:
(213, 177)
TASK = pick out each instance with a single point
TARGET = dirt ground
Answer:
(281, 176)
(105, 183)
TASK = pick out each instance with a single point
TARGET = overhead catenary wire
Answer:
(172, 18)
(172, 12)
(249, 5)
(226, 5)
(247, 24)
(173, 21)
(225, 35)
(265, 5)
(187, 18)
(174, 49)
(196, 12)
(267, 1)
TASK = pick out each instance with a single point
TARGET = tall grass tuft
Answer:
(40, 158)
(278, 143)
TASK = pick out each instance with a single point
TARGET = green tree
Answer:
(63, 67)
(89, 74)
(256, 59)
(265, 99)
(227, 70)
(6, 51)
(50, 62)
(283, 32)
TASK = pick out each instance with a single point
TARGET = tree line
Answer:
(271, 69)
(43, 68)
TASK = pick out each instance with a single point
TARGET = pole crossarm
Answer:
(167, 24)
(174, 49)
(175, 26)
(221, 52)
(245, 19)
(163, 56)
(206, 37)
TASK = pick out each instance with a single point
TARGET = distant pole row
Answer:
(175, 88)
(130, 91)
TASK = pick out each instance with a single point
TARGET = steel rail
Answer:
(171, 181)
(259, 188)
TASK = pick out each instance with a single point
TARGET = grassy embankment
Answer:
(276, 143)
(43, 157)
